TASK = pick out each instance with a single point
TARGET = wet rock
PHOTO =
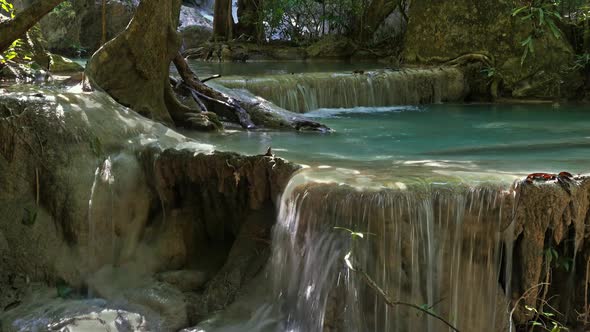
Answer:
(128, 286)
(165, 300)
(43, 311)
(331, 47)
(60, 64)
(442, 31)
(191, 16)
(185, 280)
(108, 187)
(195, 36)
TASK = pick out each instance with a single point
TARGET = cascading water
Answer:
(435, 247)
(103, 176)
(310, 91)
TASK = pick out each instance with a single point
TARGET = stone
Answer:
(159, 202)
(444, 30)
(60, 64)
(185, 280)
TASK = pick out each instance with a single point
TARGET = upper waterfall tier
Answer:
(311, 91)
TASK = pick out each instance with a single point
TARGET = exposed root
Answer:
(200, 90)
(470, 57)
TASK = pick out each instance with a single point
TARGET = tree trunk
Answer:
(223, 22)
(103, 38)
(376, 13)
(11, 30)
(250, 22)
(134, 67)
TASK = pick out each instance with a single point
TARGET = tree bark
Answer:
(11, 30)
(103, 38)
(377, 12)
(223, 22)
(250, 22)
(134, 66)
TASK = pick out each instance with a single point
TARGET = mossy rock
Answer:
(443, 30)
(196, 36)
(60, 64)
(331, 47)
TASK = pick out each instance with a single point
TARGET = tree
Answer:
(223, 22)
(15, 28)
(134, 69)
(250, 15)
(103, 38)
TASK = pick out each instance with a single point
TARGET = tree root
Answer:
(470, 57)
(200, 90)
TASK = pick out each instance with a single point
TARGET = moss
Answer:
(60, 64)
(331, 47)
(444, 30)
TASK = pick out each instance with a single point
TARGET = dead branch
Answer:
(203, 91)
(210, 78)
(372, 284)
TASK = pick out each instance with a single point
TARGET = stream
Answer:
(425, 200)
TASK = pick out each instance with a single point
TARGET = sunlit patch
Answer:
(401, 185)
(324, 167)
(63, 97)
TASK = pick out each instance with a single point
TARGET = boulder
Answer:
(444, 30)
(60, 64)
(92, 191)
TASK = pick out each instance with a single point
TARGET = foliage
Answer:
(543, 15)
(582, 61)
(7, 8)
(553, 259)
(16, 50)
(545, 321)
(65, 11)
(308, 20)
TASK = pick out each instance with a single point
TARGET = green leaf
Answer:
(554, 29)
(526, 41)
(29, 217)
(518, 10)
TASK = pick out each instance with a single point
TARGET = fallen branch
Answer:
(210, 94)
(372, 284)
(521, 298)
(210, 78)
(196, 98)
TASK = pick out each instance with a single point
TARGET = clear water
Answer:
(479, 138)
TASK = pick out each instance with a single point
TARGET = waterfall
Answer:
(436, 247)
(310, 91)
